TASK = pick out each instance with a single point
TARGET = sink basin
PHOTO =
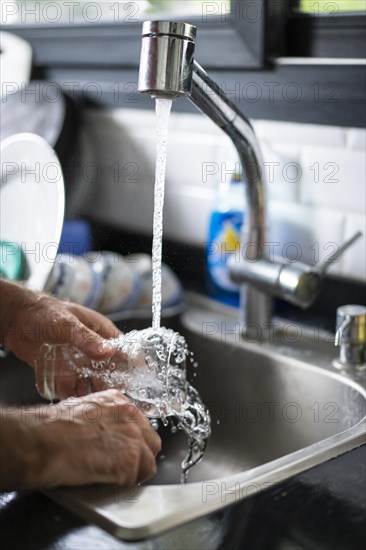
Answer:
(262, 406)
(277, 409)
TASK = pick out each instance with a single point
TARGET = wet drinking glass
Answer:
(149, 366)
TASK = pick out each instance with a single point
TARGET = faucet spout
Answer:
(168, 69)
(166, 61)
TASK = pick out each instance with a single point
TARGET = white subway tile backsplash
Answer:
(282, 170)
(300, 134)
(132, 119)
(189, 228)
(194, 123)
(226, 151)
(316, 181)
(191, 160)
(303, 233)
(333, 178)
(354, 262)
(356, 139)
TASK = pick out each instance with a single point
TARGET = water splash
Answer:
(166, 354)
(150, 367)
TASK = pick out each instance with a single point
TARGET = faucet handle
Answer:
(305, 281)
(297, 283)
(324, 266)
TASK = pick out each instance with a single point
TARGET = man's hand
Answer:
(100, 438)
(30, 319)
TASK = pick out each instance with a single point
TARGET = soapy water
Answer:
(149, 366)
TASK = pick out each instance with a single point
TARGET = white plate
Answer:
(15, 63)
(32, 202)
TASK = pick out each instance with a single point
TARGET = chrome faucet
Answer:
(168, 70)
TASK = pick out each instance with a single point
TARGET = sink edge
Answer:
(165, 507)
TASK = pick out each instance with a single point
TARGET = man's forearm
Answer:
(19, 455)
(13, 298)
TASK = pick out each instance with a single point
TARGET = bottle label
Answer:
(224, 242)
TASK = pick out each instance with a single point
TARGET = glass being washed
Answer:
(156, 381)
(155, 377)
(149, 366)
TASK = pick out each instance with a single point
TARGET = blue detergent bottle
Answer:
(224, 239)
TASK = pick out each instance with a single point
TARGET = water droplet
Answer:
(154, 424)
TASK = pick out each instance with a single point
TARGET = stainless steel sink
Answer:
(277, 409)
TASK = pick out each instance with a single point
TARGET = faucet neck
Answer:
(168, 69)
(212, 101)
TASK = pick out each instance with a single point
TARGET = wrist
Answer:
(20, 453)
(14, 298)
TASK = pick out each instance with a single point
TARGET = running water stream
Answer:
(192, 416)
(163, 108)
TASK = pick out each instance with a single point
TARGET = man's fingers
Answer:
(151, 438)
(91, 343)
(86, 329)
(95, 321)
(147, 466)
(128, 412)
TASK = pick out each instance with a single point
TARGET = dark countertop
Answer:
(323, 508)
